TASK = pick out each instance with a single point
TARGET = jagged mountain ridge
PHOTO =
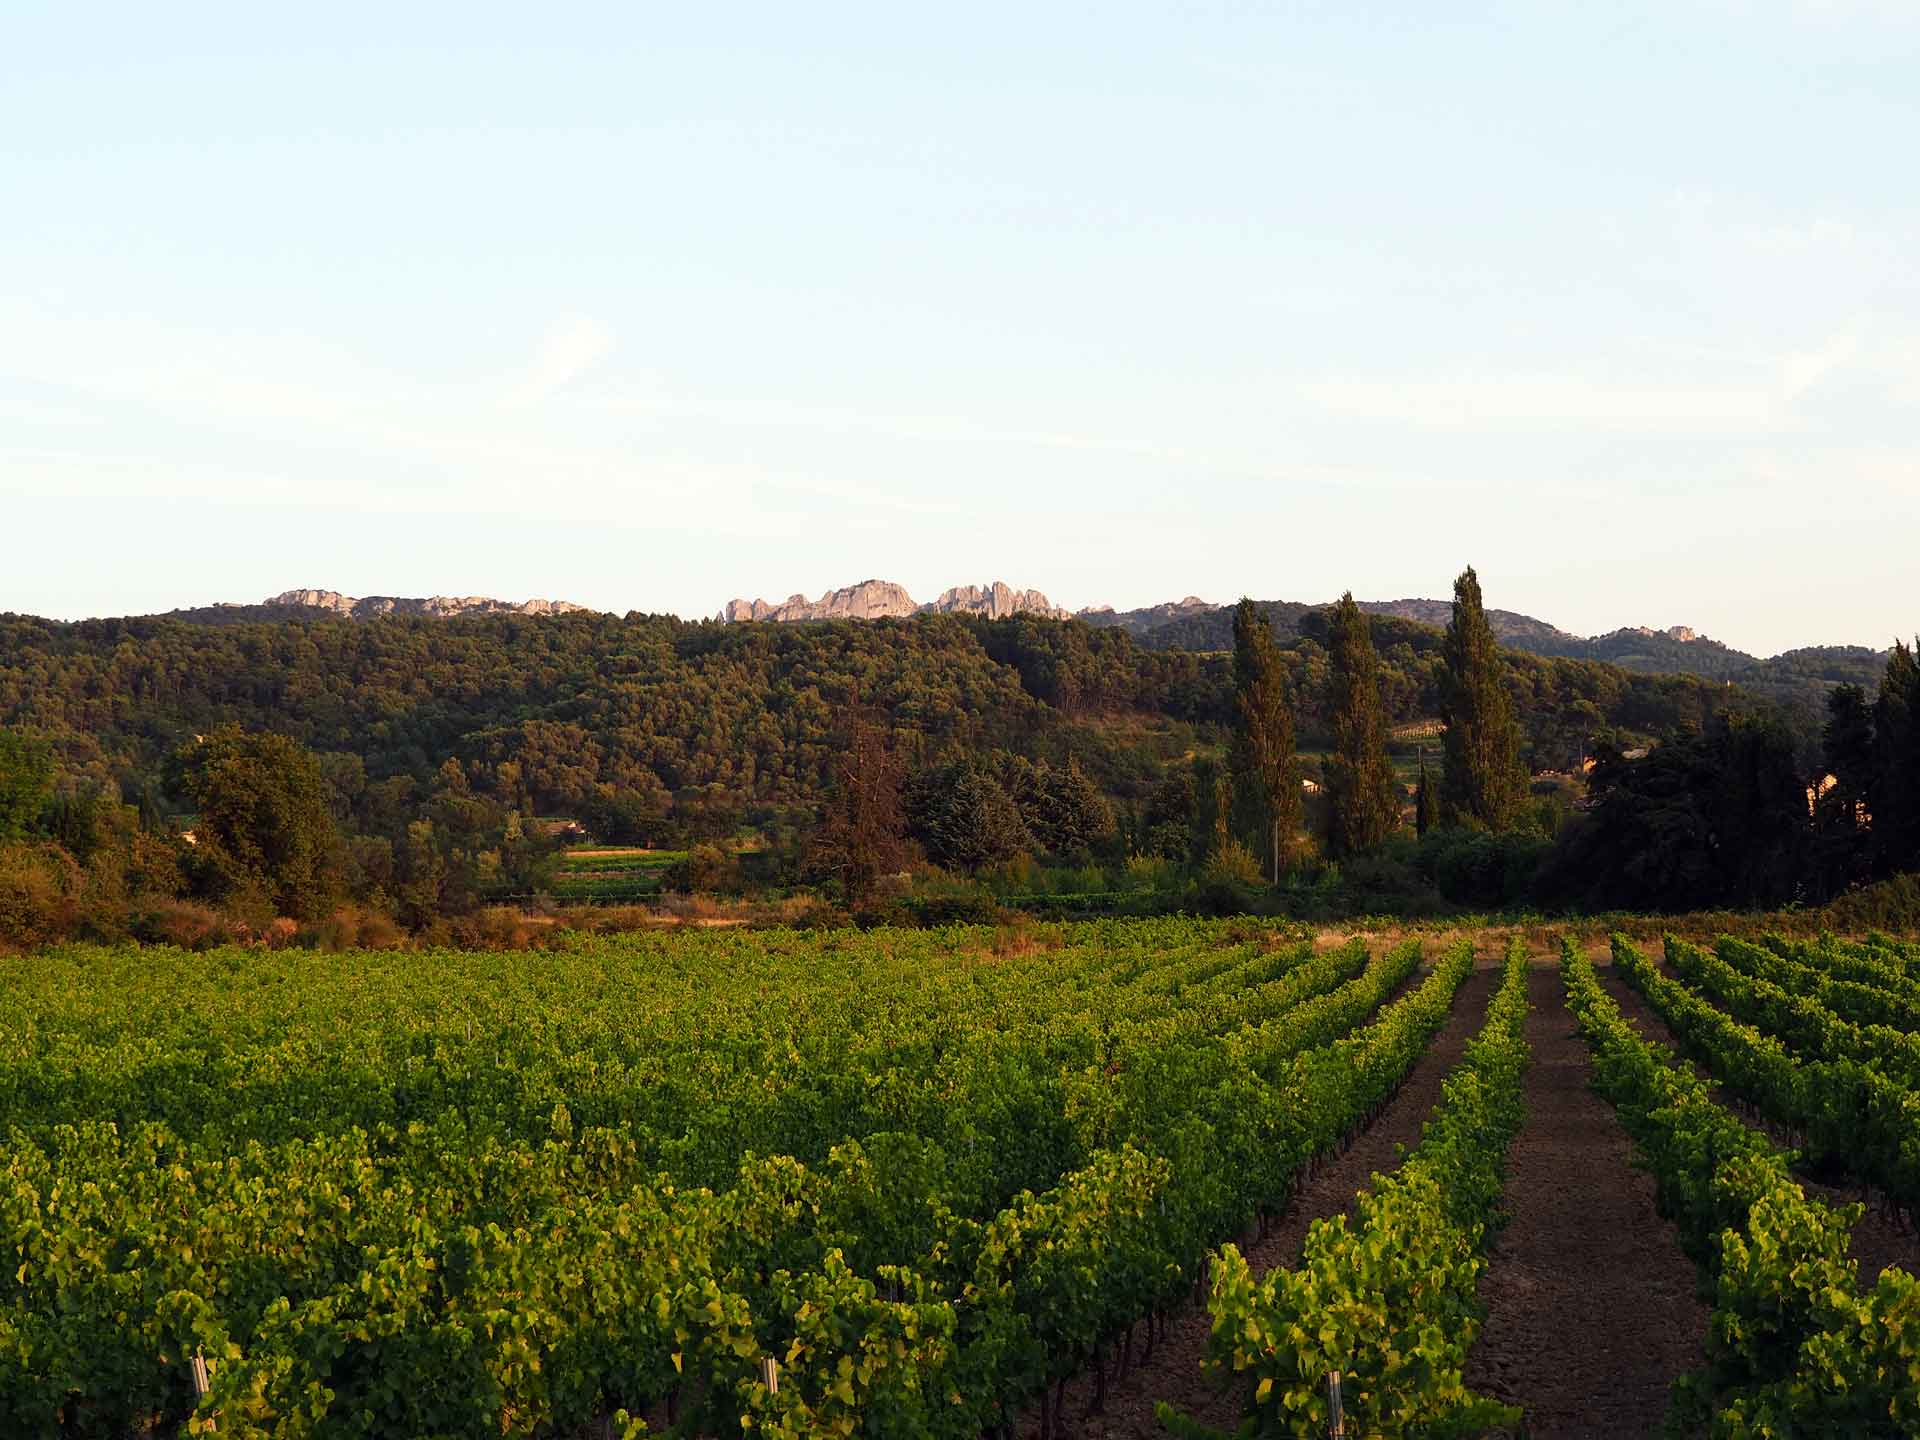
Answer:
(883, 599)
(368, 607)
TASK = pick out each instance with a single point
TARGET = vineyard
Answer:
(1118, 1177)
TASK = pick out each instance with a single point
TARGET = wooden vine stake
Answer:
(1336, 1421)
(770, 1374)
(200, 1386)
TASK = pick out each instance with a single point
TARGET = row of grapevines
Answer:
(559, 1281)
(975, 1064)
(1388, 1300)
(785, 1034)
(1809, 1028)
(1884, 965)
(1795, 1345)
(1806, 971)
(1848, 1113)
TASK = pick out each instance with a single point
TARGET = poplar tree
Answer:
(1363, 803)
(1263, 755)
(1481, 783)
(1425, 808)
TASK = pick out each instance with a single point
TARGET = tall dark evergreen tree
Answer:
(1482, 785)
(1363, 805)
(1263, 752)
(1426, 804)
(1894, 798)
(963, 818)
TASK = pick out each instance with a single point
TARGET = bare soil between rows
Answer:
(1175, 1372)
(1592, 1309)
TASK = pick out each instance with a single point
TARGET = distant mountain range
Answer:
(1799, 677)
(332, 602)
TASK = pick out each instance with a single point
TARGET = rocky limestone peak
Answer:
(869, 600)
(436, 606)
(995, 601)
(1685, 634)
(882, 599)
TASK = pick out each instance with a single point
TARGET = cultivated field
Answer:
(1093, 1180)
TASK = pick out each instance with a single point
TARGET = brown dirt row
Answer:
(1174, 1373)
(1592, 1308)
(1877, 1240)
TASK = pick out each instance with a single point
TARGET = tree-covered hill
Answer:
(634, 722)
(1797, 680)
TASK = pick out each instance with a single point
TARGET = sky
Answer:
(650, 306)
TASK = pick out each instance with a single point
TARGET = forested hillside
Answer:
(1798, 680)
(641, 722)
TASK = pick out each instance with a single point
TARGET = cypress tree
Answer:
(1263, 756)
(1481, 782)
(1425, 806)
(1363, 806)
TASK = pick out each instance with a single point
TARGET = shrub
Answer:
(1472, 867)
(706, 868)
(1891, 905)
(39, 888)
(1152, 872)
(1231, 864)
(185, 923)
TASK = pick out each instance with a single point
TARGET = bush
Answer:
(1471, 867)
(1891, 905)
(39, 888)
(185, 923)
(1232, 864)
(707, 868)
(352, 928)
(1152, 872)
(1227, 882)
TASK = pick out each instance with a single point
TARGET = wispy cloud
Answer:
(571, 347)
(1498, 401)
(1804, 369)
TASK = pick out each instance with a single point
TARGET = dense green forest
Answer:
(1798, 680)
(431, 752)
(647, 725)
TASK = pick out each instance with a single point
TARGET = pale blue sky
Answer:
(649, 306)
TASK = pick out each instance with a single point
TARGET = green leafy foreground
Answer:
(1796, 1346)
(1387, 1300)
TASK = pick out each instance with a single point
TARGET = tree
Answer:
(265, 833)
(863, 831)
(1212, 810)
(963, 817)
(1263, 755)
(26, 777)
(1894, 798)
(1482, 785)
(1840, 813)
(1709, 819)
(1064, 811)
(1426, 804)
(1363, 804)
